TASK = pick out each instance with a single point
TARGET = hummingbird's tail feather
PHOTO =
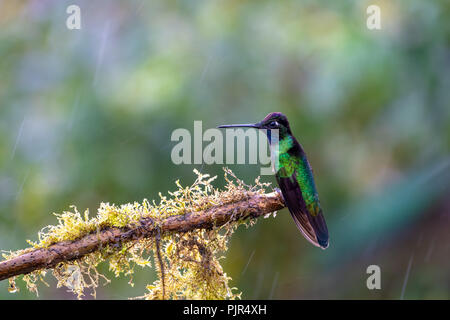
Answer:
(320, 228)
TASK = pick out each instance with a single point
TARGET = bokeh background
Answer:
(86, 116)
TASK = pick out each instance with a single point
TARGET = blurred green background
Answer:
(86, 116)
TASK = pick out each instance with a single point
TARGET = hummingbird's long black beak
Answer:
(249, 125)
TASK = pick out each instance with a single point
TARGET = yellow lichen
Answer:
(187, 263)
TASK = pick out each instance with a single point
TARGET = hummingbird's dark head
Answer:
(273, 121)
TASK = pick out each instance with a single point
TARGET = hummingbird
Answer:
(294, 176)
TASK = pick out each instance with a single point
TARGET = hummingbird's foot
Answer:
(278, 190)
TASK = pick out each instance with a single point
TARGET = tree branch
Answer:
(47, 258)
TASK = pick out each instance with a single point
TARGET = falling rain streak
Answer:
(19, 135)
(430, 250)
(274, 284)
(101, 53)
(248, 262)
(406, 277)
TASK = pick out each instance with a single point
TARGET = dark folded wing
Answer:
(313, 228)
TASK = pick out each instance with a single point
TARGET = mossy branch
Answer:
(65, 251)
(185, 232)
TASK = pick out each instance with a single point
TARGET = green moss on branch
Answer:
(184, 234)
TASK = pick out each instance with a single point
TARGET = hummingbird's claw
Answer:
(278, 190)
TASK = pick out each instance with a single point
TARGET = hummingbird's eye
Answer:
(274, 124)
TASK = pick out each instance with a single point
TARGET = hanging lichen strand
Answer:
(187, 261)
